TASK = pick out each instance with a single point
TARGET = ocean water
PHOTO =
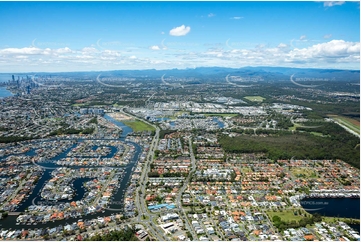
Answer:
(5, 93)
(5, 77)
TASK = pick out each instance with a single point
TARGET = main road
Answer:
(183, 188)
(144, 216)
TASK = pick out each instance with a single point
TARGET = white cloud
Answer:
(180, 31)
(22, 51)
(237, 18)
(327, 36)
(89, 50)
(34, 51)
(210, 15)
(331, 49)
(21, 57)
(154, 47)
(84, 57)
(110, 53)
(63, 50)
(303, 37)
(333, 3)
(331, 54)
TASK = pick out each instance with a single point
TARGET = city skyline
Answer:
(100, 36)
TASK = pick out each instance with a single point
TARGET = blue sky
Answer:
(87, 36)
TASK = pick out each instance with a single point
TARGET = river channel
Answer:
(118, 197)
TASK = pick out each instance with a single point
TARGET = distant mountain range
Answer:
(266, 73)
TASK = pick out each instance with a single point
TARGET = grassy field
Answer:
(350, 123)
(78, 104)
(246, 169)
(304, 172)
(255, 98)
(286, 215)
(295, 125)
(138, 126)
(317, 134)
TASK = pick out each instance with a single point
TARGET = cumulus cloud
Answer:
(154, 47)
(333, 3)
(34, 51)
(330, 54)
(303, 37)
(63, 50)
(237, 18)
(23, 51)
(180, 31)
(327, 36)
(331, 49)
(210, 15)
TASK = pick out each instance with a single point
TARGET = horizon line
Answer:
(186, 68)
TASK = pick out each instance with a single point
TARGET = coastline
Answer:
(4, 90)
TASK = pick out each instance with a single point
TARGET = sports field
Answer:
(255, 98)
(138, 126)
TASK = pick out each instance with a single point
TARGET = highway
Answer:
(346, 128)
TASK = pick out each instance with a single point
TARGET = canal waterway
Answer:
(118, 197)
